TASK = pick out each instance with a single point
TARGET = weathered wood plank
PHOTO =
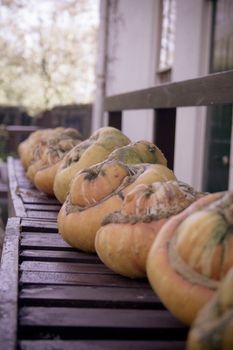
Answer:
(16, 207)
(32, 194)
(9, 286)
(96, 344)
(209, 90)
(23, 183)
(25, 200)
(149, 323)
(36, 197)
(65, 267)
(58, 255)
(38, 225)
(45, 215)
(104, 280)
(45, 240)
(42, 207)
(89, 297)
(37, 234)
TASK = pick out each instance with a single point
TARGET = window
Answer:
(219, 118)
(167, 43)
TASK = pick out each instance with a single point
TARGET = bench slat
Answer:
(65, 267)
(9, 286)
(42, 214)
(44, 240)
(48, 278)
(38, 225)
(42, 207)
(25, 199)
(61, 256)
(89, 296)
(96, 344)
(99, 318)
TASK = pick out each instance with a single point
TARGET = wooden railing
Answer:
(208, 90)
(213, 89)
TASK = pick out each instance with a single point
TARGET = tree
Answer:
(49, 51)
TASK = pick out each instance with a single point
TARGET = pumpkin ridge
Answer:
(185, 271)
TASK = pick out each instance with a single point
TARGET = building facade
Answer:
(147, 43)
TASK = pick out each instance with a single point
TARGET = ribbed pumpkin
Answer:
(47, 155)
(56, 150)
(100, 190)
(191, 254)
(36, 152)
(102, 179)
(91, 151)
(213, 327)
(125, 238)
(26, 147)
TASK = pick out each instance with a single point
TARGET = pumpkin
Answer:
(100, 190)
(213, 327)
(78, 227)
(38, 151)
(191, 254)
(47, 155)
(125, 238)
(102, 179)
(26, 147)
(91, 151)
(56, 149)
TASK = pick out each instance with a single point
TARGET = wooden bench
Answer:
(54, 296)
(24, 199)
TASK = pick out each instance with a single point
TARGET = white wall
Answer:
(130, 61)
(131, 57)
(191, 60)
(131, 46)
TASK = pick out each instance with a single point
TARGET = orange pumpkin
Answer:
(125, 238)
(91, 151)
(191, 254)
(100, 180)
(48, 154)
(56, 150)
(213, 327)
(26, 147)
(87, 205)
